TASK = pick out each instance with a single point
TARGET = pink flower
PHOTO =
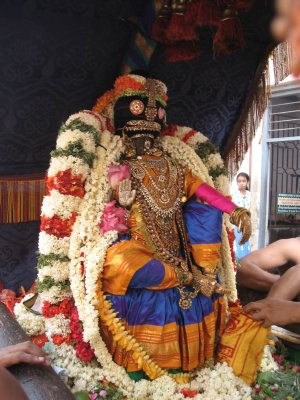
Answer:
(117, 173)
(93, 396)
(113, 219)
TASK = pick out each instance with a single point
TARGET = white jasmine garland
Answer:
(59, 271)
(54, 295)
(213, 161)
(268, 363)
(70, 136)
(226, 270)
(57, 325)
(77, 166)
(31, 323)
(186, 157)
(220, 382)
(163, 387)
(96, 250)
(51, 244)
(86, 376)
(96, 120)
(222, 184)
(196, 139)
(182, 131)
(59, 204)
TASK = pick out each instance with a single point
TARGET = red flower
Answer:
(66, 183)
(84, 351)
(169, 130)
(104, 101)
(230, 234)
(190, 134)
(39, 340)
(64, 308)
(189, 393)
(82, 348)
(8, 297)
(59, 339)
(125, 83)
(57, 226)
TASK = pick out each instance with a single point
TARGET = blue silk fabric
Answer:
(160, 307)
(203, 223)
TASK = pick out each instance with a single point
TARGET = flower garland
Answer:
(73, 252)
(32, 324)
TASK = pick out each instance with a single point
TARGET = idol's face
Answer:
(134, 114)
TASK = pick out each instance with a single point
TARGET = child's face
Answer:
(242, 183)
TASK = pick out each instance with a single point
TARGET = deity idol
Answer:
(160, 283)
(131, 246)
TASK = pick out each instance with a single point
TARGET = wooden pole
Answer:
(39, 382)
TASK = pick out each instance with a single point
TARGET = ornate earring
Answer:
(136, 107)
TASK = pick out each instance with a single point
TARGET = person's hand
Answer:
(274, 311)
(241, 218)
(22, 352)
(126, 194)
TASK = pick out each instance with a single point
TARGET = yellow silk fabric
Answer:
(123, 260)
(172, 346)
(242, 344)
(207, 255)
(191, 183)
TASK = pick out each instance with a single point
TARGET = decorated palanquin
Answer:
(135, 271)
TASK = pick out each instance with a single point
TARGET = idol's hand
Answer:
(126, 194)
(241, 218)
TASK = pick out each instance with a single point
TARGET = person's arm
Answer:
(253, 267)
(288, 286)
(252, 276)
(22, 352)
(277, 309)
(274, 311)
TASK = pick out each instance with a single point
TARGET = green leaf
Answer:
(82, 395)
(265, 377)
(81, 126)
(74, 149)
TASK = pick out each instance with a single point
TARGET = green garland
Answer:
(205, 149)
(48, 282)
(44, 261)
(217, 171)
(75, 149)
(81, 126)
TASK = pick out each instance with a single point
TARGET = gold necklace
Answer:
(162, 194)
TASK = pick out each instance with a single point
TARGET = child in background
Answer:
(242, 197)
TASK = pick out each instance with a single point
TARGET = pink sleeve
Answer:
(214, 198)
